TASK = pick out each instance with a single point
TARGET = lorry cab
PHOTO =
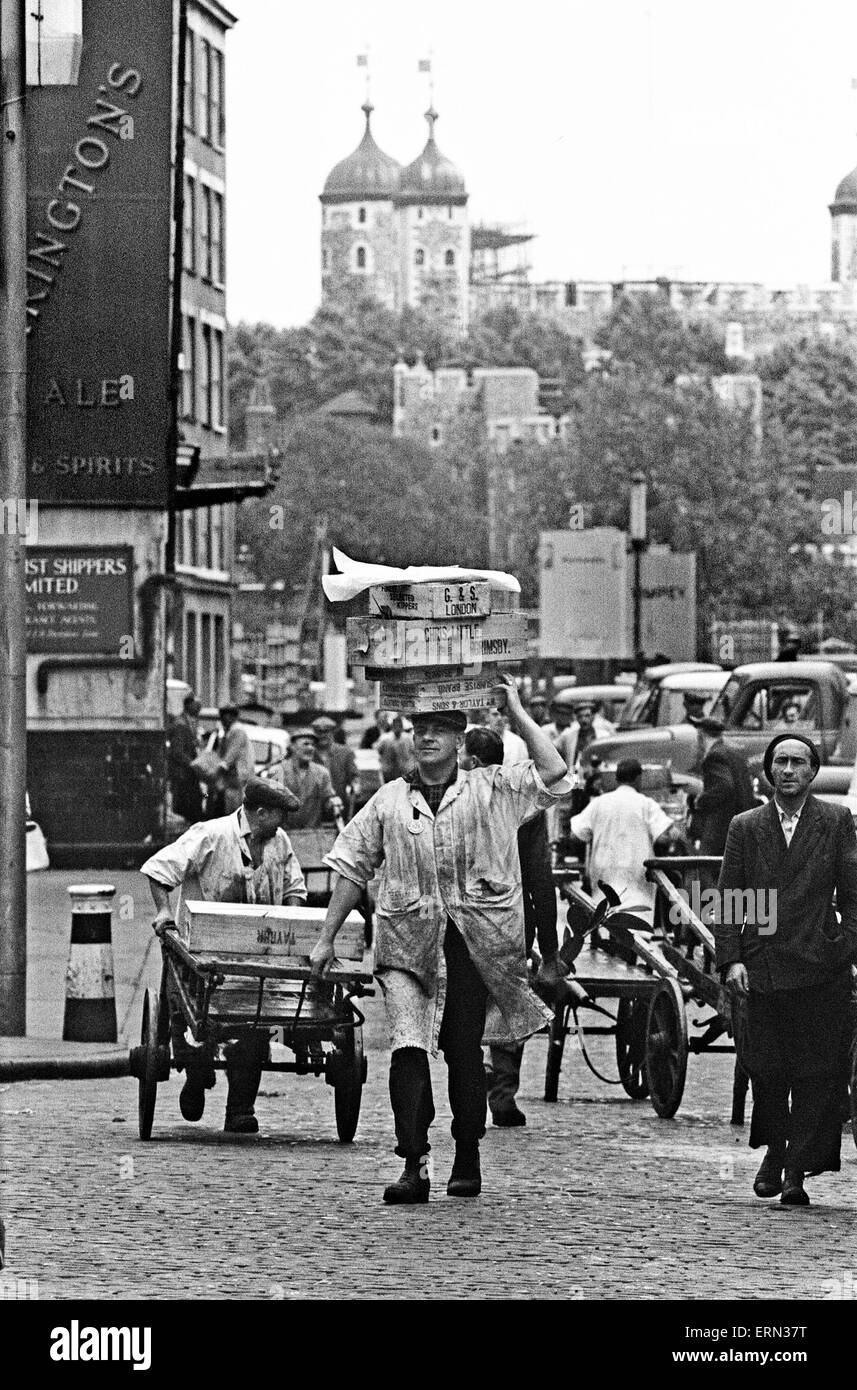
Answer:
(661, 697)
(815, 699)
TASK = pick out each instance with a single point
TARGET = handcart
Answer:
(238, 969)
(653, 979)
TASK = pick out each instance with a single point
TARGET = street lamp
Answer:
(637, 533)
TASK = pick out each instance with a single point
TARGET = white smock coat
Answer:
(621, 826)
(462, 863)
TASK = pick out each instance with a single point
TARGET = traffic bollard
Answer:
(90, 998)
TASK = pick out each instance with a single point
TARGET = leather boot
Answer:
(199, 1078)
(794, 1192)
(769, 1179)
(244, 1073)
(412, 1187)
(465, 1180)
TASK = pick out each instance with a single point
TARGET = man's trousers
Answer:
(461, 1043)
(797, 1042)
(243, 1060)
(504, 1078)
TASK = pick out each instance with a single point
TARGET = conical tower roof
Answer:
(367, 174)
(432, 178)
(845, 197)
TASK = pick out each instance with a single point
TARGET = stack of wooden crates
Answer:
(437, 645)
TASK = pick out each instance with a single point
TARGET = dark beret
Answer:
(259, 792)
(814, 755)
(454, 719)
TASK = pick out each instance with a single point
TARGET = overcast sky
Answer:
(635, 137)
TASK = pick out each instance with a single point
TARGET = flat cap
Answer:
(454, 719)
(305, 732)
(259, 792)
(814, 755)
(323, 724)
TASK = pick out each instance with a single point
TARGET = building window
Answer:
(218, 407)
(188, 367)
(419, 214)
(212, 413)
(361, 215)
(189, 224)
(215, 266)
(204, 412)
(217, 556)
(54, 40)
(205, 233)
(190, 82)
(202, 89)
(449, 258)
(216, 95)
(207, 695)
(221, 683)
(360, 258)
(419, 256)
(201, 539)
(191, 673)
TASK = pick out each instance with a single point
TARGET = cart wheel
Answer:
(556, 1044)
(631, 1047)
(349, 1075)
(150, 1063)
(666, 1048)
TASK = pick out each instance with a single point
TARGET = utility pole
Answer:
(13, 507)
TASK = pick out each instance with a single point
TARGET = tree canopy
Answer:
(717, 484)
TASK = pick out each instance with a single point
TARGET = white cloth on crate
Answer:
(462, 863)
(211, 862)
(620, 828)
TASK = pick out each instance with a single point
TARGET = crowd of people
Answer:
(459, 843)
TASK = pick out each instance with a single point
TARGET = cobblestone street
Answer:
(596, 1198)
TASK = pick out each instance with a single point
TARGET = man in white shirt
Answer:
(587, 727)
(514, 748)
(621, 827)
(245, 857)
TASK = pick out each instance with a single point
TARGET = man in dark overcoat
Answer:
(783, 945)
(727, 789)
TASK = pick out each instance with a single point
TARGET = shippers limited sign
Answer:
(98, 209)
(79, 598)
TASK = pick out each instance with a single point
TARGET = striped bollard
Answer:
(90, 999)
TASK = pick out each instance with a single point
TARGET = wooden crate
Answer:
(394, 644)
(441, 600)
(255, 931)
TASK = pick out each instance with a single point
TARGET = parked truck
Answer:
(759, 701)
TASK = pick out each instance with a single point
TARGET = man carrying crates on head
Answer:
(450, 927)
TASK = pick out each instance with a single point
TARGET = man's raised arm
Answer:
(550, 764)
